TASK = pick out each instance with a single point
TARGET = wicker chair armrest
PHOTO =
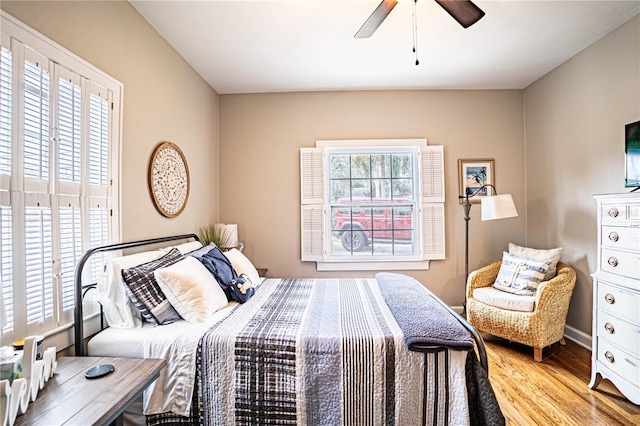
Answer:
(483, 277)
(555, 294)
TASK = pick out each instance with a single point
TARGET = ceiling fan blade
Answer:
(373, 22)
(463, 11)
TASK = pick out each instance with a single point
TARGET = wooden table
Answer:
(70, 398)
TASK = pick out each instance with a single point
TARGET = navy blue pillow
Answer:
(235, 286)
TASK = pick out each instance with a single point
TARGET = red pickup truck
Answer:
(358, 226)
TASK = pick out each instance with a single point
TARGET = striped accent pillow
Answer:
(520, 275)
(145, 293)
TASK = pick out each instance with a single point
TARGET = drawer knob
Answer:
(609, 356)
(613, 236)
(609, 298)
(613, 261)
(613, 212)
(609, 327)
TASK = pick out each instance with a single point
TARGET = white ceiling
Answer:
(284, 46)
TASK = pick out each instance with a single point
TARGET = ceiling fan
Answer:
(463, 11)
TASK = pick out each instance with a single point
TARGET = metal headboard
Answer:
(80, 289)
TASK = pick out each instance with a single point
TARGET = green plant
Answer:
(214, 234)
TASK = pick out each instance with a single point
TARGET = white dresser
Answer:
(616, 295)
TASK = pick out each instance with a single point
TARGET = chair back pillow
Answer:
(520, 275)
(552, 255)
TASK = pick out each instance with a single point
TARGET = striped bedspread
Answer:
(324, 352)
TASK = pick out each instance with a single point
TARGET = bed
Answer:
(374, 351)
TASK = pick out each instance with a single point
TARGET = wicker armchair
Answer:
(540, 328)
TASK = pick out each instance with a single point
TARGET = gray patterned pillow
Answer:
(520, 275)
(145, 293)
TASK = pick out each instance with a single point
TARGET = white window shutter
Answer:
(69, 132)
(70, 244)
(98, 140)
(98, 235)
(433, 231)
(6, 265)
(432, 170)
(312, 207)
(312, 218)
(38, 263)
(6, 111)
(37, 124)
(311, 176)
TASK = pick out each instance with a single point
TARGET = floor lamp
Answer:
(493, 207)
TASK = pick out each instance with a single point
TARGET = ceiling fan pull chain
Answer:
(415, 31)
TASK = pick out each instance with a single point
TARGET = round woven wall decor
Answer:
(169, 179)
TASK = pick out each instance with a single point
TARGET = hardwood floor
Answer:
(555, 391)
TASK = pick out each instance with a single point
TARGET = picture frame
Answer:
(473, 174)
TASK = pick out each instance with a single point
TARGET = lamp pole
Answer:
(466, 206)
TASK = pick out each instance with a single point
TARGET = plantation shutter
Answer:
(312, 204)
(36, 110)
(70, 250)
(6, 265)
(6, 109)
(433, 229)
(98, 236)
(99, 125)
(69, 132)
(38, 263)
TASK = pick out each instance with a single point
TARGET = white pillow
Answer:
(184, 247)
(191, 289)
(116, 304)
(242, 265)
(552, 255)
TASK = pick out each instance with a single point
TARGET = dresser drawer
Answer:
(618, 212)
(621, 302)
(621, 237)
(621, 262)
(621, 333)
(619, 361)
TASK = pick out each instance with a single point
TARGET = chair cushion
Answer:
(520, 275)
(552, 255)
(503, 300)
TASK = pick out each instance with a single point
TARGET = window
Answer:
(59, 141)
(371, 203)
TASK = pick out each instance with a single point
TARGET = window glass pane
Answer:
(6, 270)
(5, 111)
(39, 259)
(381, 190)
(381, 166)
(361, 190)
(36, 122)
(340, 191)
(339, 166)
(69, 131)
(402, 165)
(402, 190)
(360, 166)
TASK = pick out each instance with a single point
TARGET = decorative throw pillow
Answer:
(145, 293)
(236, 287)
(520, 275)
(552, 255)
(242, 265)
(191, 289)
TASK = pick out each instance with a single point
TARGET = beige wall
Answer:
(164, 100)
(259, 173)
(575, 119)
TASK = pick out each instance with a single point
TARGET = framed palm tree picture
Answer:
(473, 174)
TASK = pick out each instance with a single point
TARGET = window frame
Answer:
(316, 214)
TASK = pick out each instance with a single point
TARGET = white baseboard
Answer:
(580, 337)
(457, 309)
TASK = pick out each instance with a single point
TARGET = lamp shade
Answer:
(498, 207)
(229, 233)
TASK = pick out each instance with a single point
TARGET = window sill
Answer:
(408, 265)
